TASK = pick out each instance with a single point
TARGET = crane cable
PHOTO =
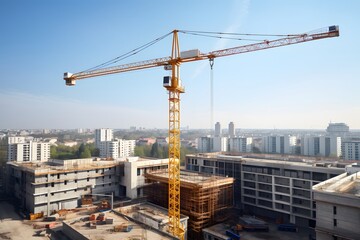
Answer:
(211, 61)
(128, 54)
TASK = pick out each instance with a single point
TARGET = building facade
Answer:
(325, 146)
(338, 207)
(126, 147)
(231, 130)
(22, 150)
(350, 149)
(59, 184)
(279, 144)
(240, 144)
(280, 189)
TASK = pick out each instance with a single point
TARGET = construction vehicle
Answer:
(173, 85)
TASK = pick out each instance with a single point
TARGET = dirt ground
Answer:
(13, 227)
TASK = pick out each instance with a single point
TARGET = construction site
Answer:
(205, 199)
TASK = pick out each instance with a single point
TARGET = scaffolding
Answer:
(205, 199)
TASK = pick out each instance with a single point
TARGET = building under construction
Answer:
(204, 199)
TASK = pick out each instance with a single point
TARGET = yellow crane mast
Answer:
(174, 87)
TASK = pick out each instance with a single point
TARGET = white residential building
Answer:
(240, 144)
(126, 147)
(22, 150)
(350, 149)
(220, 144)
(325, 146)
(205, 144)
(279, 144)
(109, 149)
(103, 135)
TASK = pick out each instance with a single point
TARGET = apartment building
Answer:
(268, 185)
(21, 149)
(240, 144)
(113, 148)
(338, 207)
(350, 149)
(58, 184)
(126, 147)
(325, 146)
(283, 144)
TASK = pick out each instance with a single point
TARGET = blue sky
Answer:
(303, 86)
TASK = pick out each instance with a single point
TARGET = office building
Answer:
(337, 129)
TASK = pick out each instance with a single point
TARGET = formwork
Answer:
(205, 199)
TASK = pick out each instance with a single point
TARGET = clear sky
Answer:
(302, 86)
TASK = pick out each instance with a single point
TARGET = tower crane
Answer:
(173, 85)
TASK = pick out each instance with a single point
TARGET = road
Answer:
(13, 227)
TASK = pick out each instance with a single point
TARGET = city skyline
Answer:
(304, 86)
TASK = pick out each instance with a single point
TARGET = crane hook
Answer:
(211, 61)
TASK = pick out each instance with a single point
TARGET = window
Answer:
(46, 185)
(109, 176)
(52, 184)
(87, 179)
(52, 194)
(75, 180)
(334, 210)
(335, 222)
(138, 171)
(65, 182)
(97, 170)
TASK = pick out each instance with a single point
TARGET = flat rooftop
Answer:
(191, 179)
(291, 160)
(81, 225)
(342, 184)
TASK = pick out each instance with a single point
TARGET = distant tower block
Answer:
(231, 130)
(217, 129)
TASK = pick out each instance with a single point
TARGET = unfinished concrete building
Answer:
(338, 207)
(204, 199)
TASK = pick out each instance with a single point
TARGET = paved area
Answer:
(13, 227)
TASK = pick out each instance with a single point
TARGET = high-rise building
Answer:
(351, 149)
(220, 144)
(109, 149)
(325, 146)
(21, 149)
(205, 144)
(240, 144)
(337, 129)
(217, 130)
(231, 130)
(279, 144)
(102, 135)
(126, 147)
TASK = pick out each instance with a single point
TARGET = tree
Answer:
(86, 153)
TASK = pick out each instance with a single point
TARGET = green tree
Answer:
(86, 153)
